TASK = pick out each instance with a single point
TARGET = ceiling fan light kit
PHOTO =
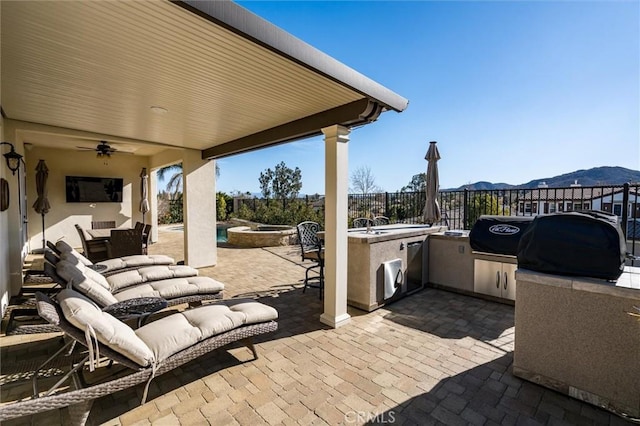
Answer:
(103, 150)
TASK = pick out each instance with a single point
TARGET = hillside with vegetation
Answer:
(597, 176)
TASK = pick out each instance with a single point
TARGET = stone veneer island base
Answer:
(574, 335)
(262, 236)
(369, 250)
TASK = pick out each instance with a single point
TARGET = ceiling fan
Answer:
(103, 149)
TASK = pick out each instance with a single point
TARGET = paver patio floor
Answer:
(432, 358)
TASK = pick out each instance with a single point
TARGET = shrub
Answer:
(221, 206)
(277, 212)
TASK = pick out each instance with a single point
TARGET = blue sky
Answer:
(512, 91)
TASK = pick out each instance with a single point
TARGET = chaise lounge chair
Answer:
(111, 266)
(119, 288)
(149, 351)
(131, 294)
(134, 299)
(119, 279)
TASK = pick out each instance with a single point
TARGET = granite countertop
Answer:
(454, 234)
(390, 232)
(628, 285)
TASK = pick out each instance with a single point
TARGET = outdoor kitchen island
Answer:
(386, 263)
(575, 335)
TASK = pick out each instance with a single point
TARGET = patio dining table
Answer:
(100, 234)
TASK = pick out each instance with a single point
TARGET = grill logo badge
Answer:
(504, 229)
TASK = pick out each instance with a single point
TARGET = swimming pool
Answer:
(221, 232)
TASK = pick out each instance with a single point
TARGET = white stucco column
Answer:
(336, 172)
(199, 210)
(153, 205)
(14, 246)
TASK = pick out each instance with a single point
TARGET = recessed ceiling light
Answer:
(159, 110)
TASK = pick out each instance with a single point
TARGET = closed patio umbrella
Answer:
(431, 212)
(42, 205)
(144, 202)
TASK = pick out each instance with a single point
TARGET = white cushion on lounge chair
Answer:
(65, 248)
(67, 252)
(176, 332)
(149, 273)
(172, 288)
(93, 284)
(121, 280)
(135, 261)
(253, 311)
(95, 290)
(78, 272)
(167, 336)
(81, 312)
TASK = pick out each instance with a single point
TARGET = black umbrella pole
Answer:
(43, 243)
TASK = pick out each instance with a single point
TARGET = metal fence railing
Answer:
(460, 209)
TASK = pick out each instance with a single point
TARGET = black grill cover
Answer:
(585, 244)
(498, 234)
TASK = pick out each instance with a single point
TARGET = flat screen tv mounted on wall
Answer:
(85, 189)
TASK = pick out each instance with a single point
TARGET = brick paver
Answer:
(432, 358)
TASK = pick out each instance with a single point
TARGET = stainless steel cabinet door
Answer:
(487, 277)
(495, 278)
(509, 281)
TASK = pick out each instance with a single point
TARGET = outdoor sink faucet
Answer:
(370, 223)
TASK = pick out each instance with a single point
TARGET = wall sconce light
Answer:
(13, 158)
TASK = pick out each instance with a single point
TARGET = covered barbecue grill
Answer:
(498, 234)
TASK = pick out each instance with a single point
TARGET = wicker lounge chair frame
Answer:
(79, 401)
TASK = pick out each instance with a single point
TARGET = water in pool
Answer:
(221, 233)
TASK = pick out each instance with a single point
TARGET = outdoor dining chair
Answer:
(362, 222)
(125, 242)
(311, 249)
(104, 224)
(146, 233)
(94, 250)
(380, 220)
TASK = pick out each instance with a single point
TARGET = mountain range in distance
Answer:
(597, 176)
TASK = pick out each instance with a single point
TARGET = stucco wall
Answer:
(4, 240)
(62, 217)
(451, 262)
(573, 335)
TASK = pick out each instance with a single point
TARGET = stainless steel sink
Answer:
(374, 232)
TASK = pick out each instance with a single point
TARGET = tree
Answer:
(265, 180)
(418, 184)
(363, 181)
(174, 185)
(221, 206)
(481, 204)
(283, 182)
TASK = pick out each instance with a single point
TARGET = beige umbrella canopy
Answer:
(431, 212)
(42, 205)
(144, 201)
